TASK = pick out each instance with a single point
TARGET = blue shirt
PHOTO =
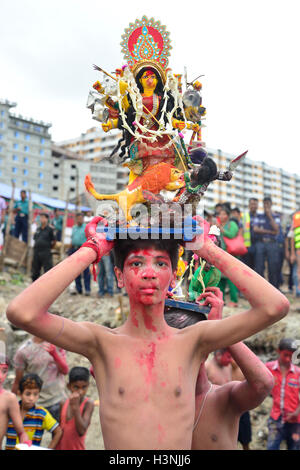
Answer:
(23, 205)
(262, 221)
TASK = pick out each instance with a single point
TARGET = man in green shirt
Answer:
(77, 239)
(228, 229)
(57, 222)
(21, 221)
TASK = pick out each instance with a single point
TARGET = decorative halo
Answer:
(146, 43)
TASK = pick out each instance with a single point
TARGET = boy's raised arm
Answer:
(258, 382)
(268, 304)
(29, 310)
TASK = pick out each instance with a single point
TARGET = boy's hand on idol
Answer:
(104, 245)
(213, 297)
(202, 241)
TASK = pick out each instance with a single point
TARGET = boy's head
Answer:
(146, 268)
(79, 378)
(44, 217)
(285, 350)
(30, 386)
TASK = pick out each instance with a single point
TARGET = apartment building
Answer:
(254, 179)
(95, 146)
(32, 161)
(25, 150)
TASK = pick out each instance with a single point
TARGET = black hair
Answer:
(79, 214)
(253, 199)
(287, 344)
(44, 214)
(236, 209)
(79, 373)
(226, 208)
(30, 381)
(123, 247)
(179, 318)
(159, 89)
(267, 198)
(221, 351)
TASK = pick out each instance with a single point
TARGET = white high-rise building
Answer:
(25, 151)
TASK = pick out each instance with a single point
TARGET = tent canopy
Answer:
(6, 192)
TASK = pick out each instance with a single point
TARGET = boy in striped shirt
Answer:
(35, 418)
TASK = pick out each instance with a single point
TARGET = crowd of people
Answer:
(48, 231)
(262, 240)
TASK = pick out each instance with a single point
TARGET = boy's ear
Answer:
(119, 276)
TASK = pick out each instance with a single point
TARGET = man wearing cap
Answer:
(283, 423)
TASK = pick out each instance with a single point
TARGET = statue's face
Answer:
(149, 79)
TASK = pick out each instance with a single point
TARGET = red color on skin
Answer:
(147, 359)
(134, 319)
(147, 275)
(148, 321)
(161, 434)
(247, 273)
(118, 362)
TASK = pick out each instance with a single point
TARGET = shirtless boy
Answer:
(145, 370)
(9, 408)
(219, 407)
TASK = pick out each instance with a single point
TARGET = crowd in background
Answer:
(262, 240)
(265, 241)
(268, 241)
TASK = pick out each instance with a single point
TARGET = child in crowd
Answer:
(76, 411)
(9, 408)
(35, 418)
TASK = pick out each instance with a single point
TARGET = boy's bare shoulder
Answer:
(8, 398)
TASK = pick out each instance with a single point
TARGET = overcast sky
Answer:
(248, 51)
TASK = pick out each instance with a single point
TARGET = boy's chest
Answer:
(150, 371)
